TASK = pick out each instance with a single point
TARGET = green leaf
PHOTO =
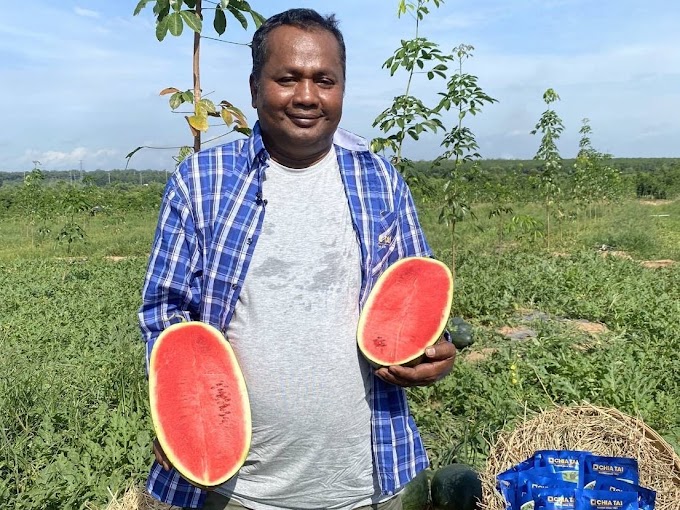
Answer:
(239, 16)
(175, 24)
(220, 21)
(162, 28)
(208, 105)
(129, 155)
(258, 19)
(176, 100)
(192, 20)
(244, 130)
(162, 8)
(140, 6)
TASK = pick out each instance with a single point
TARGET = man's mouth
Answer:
(304, 120)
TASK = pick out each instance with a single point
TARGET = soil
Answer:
(480, 355)
(656, 264)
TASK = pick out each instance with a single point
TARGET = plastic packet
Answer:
(646, 497)
(622, 468)
(564, 463)
(506, 483)
(555, 498)
(590, 499)
(531, 482)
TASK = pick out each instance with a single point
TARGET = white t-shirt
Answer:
(294, 333)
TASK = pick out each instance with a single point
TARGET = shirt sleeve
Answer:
(171, 290)
(411, 238)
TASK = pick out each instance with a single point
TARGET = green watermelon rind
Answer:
(456, 487)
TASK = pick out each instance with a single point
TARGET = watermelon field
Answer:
(572, 301)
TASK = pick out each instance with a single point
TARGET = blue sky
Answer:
(80, 79)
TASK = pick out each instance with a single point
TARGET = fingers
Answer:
(433, 368)
(440, 351)
(160, 455)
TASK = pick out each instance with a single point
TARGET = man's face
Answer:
(299, 95)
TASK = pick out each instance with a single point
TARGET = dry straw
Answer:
(136, 498)
(595, 429)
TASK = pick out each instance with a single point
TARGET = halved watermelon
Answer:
(199, 403)
(405, 312)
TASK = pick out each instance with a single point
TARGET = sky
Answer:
(80, 80)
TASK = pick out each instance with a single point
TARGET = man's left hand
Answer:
(435, 365)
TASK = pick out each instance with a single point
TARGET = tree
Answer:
(464, 96)
(594, 179)
(551, 127)
(171, 16)
(408, 115)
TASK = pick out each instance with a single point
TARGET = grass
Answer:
(76, 425)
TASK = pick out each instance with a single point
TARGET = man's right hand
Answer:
(160, 455)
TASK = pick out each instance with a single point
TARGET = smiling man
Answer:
(277, 241)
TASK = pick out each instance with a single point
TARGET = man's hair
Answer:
(304, 19)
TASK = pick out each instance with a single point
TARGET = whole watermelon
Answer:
(456, 487)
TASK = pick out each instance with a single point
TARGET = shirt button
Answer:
(249, 240)
(234, 286)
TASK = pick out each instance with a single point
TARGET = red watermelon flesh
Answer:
(406, 311)
(199, 403)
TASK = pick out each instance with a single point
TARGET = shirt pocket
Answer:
(384, 241)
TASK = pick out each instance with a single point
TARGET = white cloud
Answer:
(86, 13)
(53, 159)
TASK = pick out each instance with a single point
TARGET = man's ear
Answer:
(253, 91)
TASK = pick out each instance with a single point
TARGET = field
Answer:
(583, 313)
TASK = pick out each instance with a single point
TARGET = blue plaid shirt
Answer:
(208, 227)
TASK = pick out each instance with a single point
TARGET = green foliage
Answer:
(75, 423)
(171, 16)
(633, 368)
(550, 126)
(594, 179)
(173, 22)
(465, 97)
(408, 115)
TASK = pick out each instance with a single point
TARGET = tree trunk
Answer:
(197, 76)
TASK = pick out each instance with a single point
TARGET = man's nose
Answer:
(306, 92)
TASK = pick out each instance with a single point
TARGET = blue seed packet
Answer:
(590, 499)
(646, 497)
(555, 498)
(531, 482)
(565, 463)
(506, 483)
(623, 468)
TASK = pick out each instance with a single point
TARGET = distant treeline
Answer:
(533, 166)
(488, 166)
(92, 177)
(645, 177)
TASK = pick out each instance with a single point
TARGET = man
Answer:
(277, 240)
